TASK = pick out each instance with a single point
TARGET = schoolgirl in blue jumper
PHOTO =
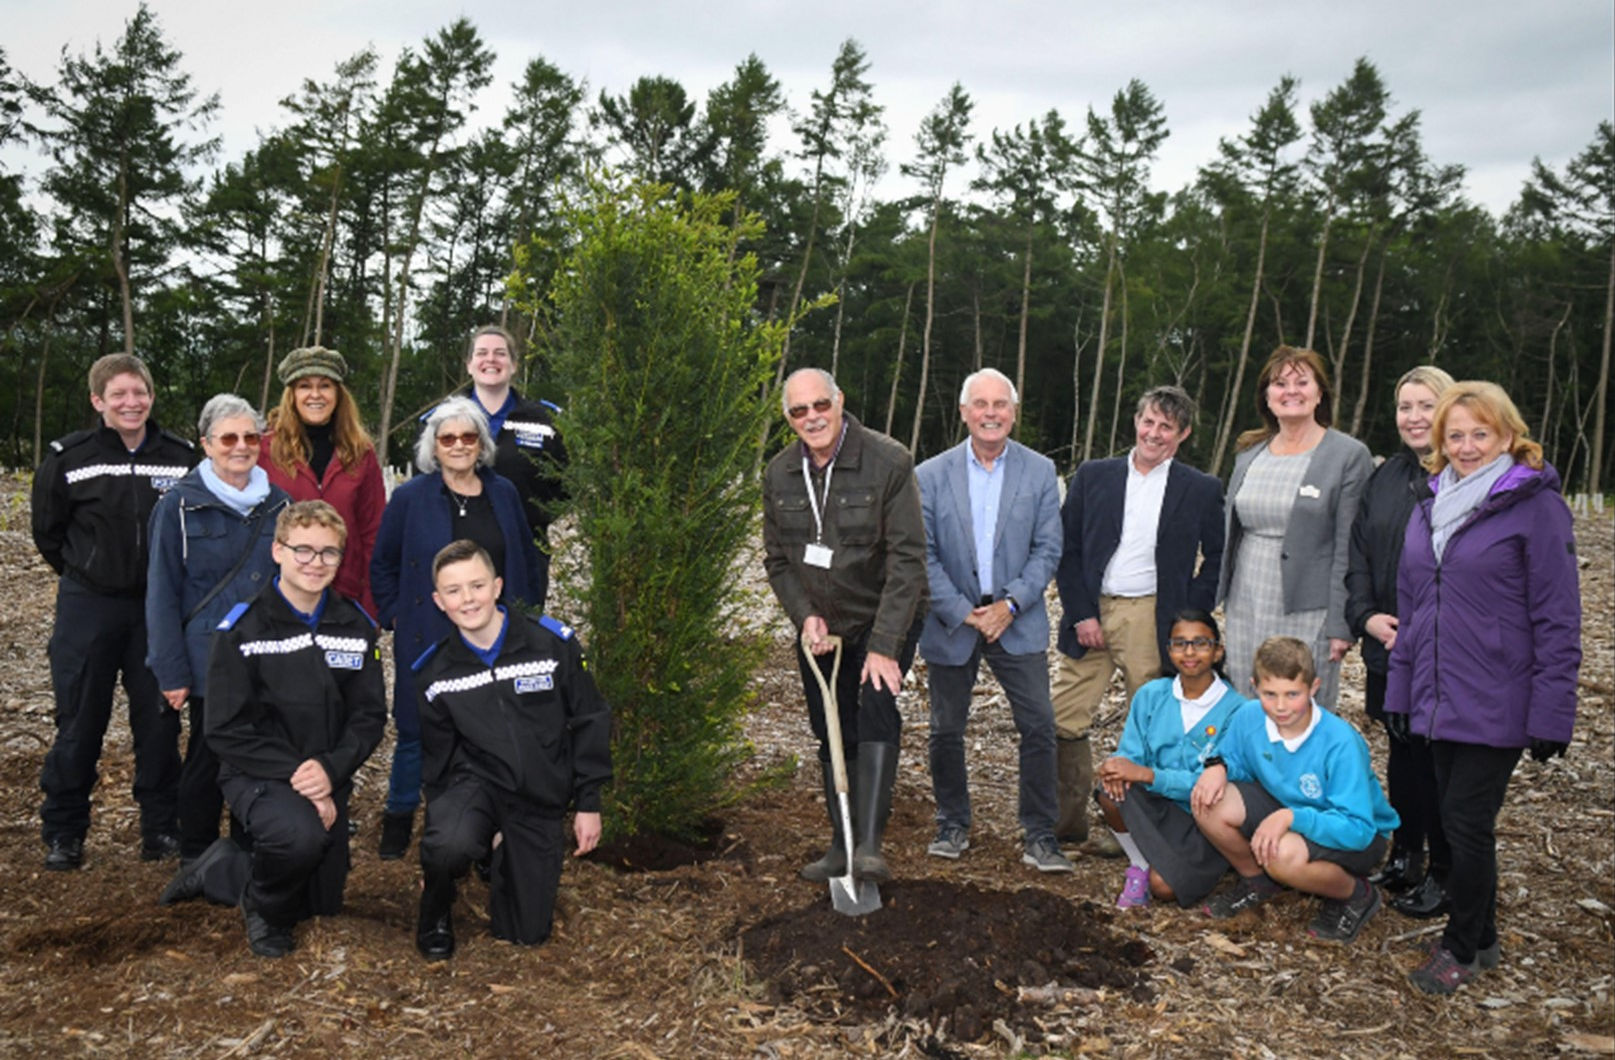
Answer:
(1172, 727)
(1291, 800)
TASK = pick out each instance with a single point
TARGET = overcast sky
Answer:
(1498, 81)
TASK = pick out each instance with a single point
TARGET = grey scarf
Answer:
(1458, 498)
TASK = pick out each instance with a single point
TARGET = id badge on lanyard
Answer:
(816, 554)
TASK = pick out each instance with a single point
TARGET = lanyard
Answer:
(807, 480)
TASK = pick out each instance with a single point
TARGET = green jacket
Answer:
(875, 586)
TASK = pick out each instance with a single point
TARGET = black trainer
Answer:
(1427, 900)
(66, 853)
(264, 938)
(159, 847)
(396, 830)
(1340, 921)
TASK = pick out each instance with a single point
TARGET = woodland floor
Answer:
(733, 956)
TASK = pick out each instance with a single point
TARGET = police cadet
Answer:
(92, 497)
(513, 734)
(296, 705)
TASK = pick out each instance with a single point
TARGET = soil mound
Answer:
(940, 950)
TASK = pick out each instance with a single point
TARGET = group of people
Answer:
(1453, 562)
(247, 589)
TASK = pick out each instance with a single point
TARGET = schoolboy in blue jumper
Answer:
(1291, 800)
(1173, 726)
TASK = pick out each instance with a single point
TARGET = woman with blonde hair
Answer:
(319, 450)
(1487, 647)
(1291, 501)
(1376, 550)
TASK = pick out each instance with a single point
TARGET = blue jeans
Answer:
(1025, 679)
(404, 783)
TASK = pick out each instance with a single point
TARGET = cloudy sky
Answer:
(1498, 82)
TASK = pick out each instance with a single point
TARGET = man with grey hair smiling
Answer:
(844, 547)
(992, 541)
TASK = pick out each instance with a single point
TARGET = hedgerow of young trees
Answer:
(380, 216)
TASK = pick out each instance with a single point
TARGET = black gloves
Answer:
(1542, 750)
(1396, 726)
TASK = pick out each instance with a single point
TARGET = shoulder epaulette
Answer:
(415, 667)
(70, 440)
(552, 406)
(357, 606)
(556, 626)
(234, 615)
(171, 436)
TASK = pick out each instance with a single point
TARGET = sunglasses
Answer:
(306, 554)
(822, 405)
(469, 439)
(230, 439)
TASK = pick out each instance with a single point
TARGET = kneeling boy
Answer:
(1291, 800)
(513, 734)
(296, 704)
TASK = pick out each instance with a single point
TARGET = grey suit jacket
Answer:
(1026, 549)
(1317, 539)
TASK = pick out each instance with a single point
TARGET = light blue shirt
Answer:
(986, 487)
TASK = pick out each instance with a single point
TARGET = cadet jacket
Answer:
(92, 500)
(528, 451)
(196, 539)
(280, 693)
(532, 724)
(873, 525)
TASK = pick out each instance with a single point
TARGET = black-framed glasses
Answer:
(1195, 643)
(822, 405)
(230, 439)
(306, 554)
(467, 439)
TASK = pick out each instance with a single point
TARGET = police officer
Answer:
(514, 734)
(92, 497)
(296, 705)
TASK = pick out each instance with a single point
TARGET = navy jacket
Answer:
(1191, 525)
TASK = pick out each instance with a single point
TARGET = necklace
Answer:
(461, 502)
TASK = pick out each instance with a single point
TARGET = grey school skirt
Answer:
(1167, 835)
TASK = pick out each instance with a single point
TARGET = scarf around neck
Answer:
(242, 501)
(1458, 498)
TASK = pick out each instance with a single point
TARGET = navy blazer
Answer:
(1191, 526)
(1026, 548)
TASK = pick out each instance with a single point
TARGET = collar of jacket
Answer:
(852, 446)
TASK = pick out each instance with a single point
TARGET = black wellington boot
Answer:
(877, 773)
(834, 862)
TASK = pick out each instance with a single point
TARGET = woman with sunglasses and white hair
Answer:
(458, 496)
(210, 550)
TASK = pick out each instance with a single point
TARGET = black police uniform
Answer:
(284, 688)
(509, 747)
(92, 499)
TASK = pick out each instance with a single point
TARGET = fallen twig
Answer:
(860, 962)
(1055, 994)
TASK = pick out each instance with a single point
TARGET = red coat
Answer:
(358, 496)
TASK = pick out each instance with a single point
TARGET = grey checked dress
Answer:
(1254, 609)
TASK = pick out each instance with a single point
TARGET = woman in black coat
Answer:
(1377, 534)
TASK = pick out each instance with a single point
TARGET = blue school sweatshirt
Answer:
(1328, 782)
(1154, 737)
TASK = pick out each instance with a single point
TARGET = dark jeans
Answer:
(1472, 780)
(1026, 682)
(1410, 780)
(867, 715)
(96, 638)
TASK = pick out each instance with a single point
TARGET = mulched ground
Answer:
(728, 954)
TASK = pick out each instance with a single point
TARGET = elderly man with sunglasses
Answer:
(844, 544)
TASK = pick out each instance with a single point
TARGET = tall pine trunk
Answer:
(1368, 347)
(930, 318)
(1225, 428)
(1099, 357)
(897, 369)
(1595, 469)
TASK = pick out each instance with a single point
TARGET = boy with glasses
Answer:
(297, 706)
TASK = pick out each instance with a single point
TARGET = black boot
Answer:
(877, 772)
(1074, 773)
(264, 938)
(1427, 900)
(396, 830)
(1403, 872)
(834, 862)
(434, 931)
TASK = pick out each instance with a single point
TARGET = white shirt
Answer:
(1195, 710)
(1293, 743)
(1131, 570)
(986, 489)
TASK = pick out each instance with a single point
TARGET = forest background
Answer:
(384, 215)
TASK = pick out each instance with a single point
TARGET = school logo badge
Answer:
(1310, 786)
(344, 660)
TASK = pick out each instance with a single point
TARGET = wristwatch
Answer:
(1216, 760)
(1014, 608)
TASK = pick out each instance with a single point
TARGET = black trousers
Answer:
(1472, 780)
(299, 867)
(95, 640)
(867, 715)
(201, 801)
(526, 867)
(1410, 781)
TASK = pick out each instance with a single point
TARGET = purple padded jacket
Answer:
(1489, 641)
